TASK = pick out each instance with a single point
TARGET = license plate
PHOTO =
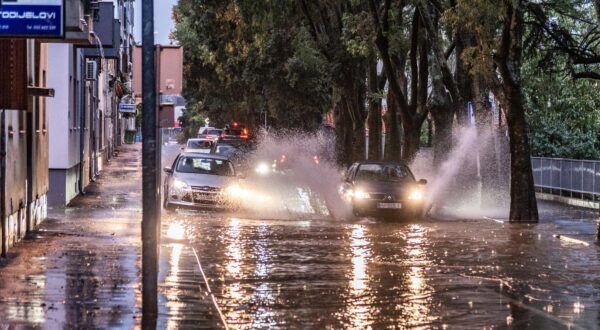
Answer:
(205, 196)
(389, 205)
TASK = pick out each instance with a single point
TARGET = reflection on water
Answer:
(416, 306)
(176, 231)
(359, 308)
(173, 277)
(232, 288)
(31, 310)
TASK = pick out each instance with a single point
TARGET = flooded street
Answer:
(435, 273)
(357, 273)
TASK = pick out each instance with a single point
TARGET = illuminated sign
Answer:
(32, 18)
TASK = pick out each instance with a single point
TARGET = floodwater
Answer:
(442, 272)
(368, 273)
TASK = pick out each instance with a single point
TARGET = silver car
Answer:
(199, 145)
(201, 181)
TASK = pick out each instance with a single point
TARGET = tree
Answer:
(245, 60)
(564, 113)
(498, 57)
(347, 71)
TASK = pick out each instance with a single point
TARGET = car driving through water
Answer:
(384, 189)
(201, 180)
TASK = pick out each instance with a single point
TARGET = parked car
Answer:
(199, 145)
(384, 189)
(200, 181)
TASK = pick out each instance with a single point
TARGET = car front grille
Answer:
(206, 189)
(386, 197)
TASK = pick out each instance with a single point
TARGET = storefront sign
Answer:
(32, 18)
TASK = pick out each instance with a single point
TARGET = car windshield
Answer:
(381, 172)
(199, 165)
(199, 144)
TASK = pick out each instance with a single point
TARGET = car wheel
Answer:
(166, 205)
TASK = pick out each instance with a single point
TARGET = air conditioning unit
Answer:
(91, 70)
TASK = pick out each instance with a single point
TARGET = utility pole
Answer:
(150, 183)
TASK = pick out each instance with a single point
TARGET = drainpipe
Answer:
(81, 128)
(3, 179)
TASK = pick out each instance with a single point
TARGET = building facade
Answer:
(169, 76)
(87, 126)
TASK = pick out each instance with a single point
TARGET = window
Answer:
(381, 172)
(198, 165)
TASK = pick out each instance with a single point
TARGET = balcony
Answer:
(78, 22)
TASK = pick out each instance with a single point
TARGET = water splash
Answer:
(456, 185)
(309, 182)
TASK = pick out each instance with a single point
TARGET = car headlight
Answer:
(180, 184)
(415, 195)
(359, 194)
(262, 169)
(235, 191)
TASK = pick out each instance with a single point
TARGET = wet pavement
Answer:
(82, 269)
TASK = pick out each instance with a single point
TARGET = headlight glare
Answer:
(262, 169)
(359, 194)
(235, 190)
(415, 195)
(180, 184)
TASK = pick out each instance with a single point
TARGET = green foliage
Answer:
(247, 58)
(563, 114)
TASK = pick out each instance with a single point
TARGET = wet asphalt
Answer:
(82, 268)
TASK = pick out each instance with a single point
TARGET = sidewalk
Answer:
(82, 268)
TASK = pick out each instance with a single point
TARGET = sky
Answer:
(163, 25)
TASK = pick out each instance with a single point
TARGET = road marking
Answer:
(496, 220)
(571, 240)
(209, 291)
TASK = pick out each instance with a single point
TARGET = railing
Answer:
(567, 177)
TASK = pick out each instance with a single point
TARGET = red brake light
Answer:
(235, 124)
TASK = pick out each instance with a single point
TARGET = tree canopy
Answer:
(398, 64)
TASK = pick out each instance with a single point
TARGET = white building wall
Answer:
(63, 128)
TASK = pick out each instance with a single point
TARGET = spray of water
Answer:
(297, 175)
(455, 186)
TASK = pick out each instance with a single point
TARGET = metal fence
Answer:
(567, 176)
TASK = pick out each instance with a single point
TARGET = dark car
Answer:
(236, 150)
(235, 131)
(384, 189)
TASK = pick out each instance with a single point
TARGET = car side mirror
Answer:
(168, 169)
(422, 181)
(182, 148)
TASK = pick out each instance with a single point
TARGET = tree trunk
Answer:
(442, 136)
(374, 118)
(392, 132)
(411, 141)
(523, 204)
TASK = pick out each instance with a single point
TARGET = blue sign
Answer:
(127, 108)
(32, 19)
